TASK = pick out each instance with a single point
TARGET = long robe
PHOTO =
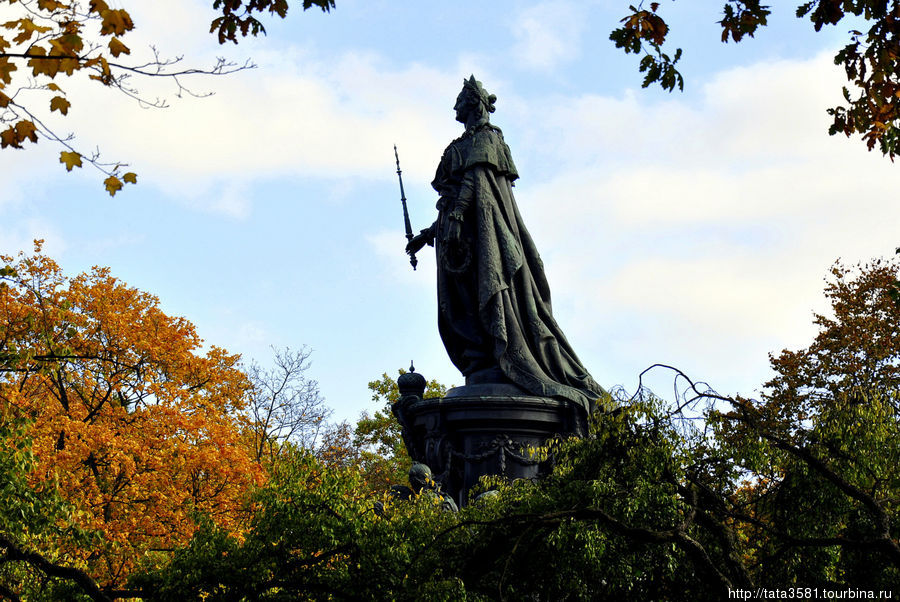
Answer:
(493, 298)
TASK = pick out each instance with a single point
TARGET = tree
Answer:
(284, 405)
(128, 423)
(689, 499)
(33, 517)
(237, 16)
(822, 448)
(870, 59)
(314, 536)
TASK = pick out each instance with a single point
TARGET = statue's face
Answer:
(462, 107)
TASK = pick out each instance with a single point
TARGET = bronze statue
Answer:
(494, 310)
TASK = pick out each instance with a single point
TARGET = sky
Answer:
(692, 229)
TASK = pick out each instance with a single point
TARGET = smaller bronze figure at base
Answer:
(422, 483)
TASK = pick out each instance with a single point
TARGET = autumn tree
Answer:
(128, 422)
(33, 519)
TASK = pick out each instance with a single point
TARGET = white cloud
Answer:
(388, 247)
(252, 333)
(676, 230)
(547, 34)
(294, 118)
(302, 113)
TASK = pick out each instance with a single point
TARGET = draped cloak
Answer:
(493, 298)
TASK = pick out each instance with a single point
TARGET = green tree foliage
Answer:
(315, 536)
(822, 448)
(680, 500)
(33, 519)
(869, 58)
(614, 520)
(238, 16)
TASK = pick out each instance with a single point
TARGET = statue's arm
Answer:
(467, 191)
(466, 194)
(425, 237)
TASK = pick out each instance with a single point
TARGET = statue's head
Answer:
(474, 105)
(420, 477)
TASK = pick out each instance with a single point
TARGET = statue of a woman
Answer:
(494, 310)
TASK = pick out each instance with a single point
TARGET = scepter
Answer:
(409, 234)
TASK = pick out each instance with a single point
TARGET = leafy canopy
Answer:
(681, 500)
(126, 421)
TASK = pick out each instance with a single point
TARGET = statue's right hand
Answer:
(416, 243)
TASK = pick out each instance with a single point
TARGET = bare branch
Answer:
(284, 404)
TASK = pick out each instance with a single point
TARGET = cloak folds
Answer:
(493, 299)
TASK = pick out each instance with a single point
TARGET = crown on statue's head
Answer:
(475, 88)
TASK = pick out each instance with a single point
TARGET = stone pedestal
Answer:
(482, 429)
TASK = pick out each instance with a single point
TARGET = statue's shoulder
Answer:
(489, 148)
(482, 146)
(485, 134)
(491, 132)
